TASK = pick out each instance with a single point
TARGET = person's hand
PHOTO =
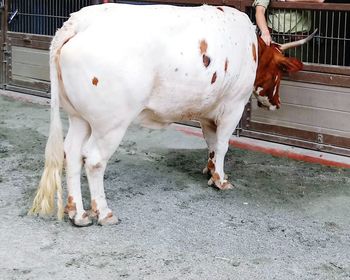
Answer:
(266, 37)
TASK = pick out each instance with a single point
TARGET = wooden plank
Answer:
(29, 40)
(37, 72)
(30, 56)
(28, 83)
(320, 78)
(317, 96)
(308, 118)
(334, 132)
(297, 142)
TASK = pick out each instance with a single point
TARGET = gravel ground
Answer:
(284, 220)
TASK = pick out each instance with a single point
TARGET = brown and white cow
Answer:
(113, 64)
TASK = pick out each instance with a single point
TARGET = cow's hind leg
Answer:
(78, 133)
(97, 151)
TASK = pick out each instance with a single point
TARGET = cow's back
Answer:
(175, 62)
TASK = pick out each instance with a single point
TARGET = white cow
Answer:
(112, 64)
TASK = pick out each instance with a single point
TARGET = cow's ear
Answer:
(290, 64)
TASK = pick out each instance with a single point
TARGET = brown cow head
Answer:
(272, 63)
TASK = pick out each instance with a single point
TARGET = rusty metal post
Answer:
(4, 46)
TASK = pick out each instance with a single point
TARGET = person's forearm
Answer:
(260, 19)
(262, 24)
(308, 1)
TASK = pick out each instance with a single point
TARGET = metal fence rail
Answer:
(330, 44)
(41, 17)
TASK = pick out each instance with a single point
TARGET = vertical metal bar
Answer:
(43, 17)
(294, 13)
(307, 45)
(49, 18)
(25, 26)
(40, 16)
(319, 46)
(338, 37)
(278, 30)
(302, 32)
(25, 18)
(314, 40)
(345, 39)
(326, 39)
(33, 18)
(21, 24)
(332, 38)
(4, 29)
(58, 12)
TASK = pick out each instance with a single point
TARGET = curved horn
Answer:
(294, 44)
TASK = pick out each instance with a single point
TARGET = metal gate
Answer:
(315, 109)
(27, 29)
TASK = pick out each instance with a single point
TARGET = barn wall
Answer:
(30, 64)
(317, 108)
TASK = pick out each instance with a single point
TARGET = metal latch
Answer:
(12, 16)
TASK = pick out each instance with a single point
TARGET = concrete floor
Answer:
(284, 220)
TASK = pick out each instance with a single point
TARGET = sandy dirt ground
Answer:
(284, 220)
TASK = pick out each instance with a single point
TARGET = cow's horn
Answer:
(294, 44)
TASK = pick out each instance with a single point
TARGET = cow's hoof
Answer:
(110, 219)
(84, 221)
(225, 185)
(71, 214)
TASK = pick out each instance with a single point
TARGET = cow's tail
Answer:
(50, 182)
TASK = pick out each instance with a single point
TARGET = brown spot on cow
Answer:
(206, 60)
(226, 65)
(211, 165)
(94, 81)
(254, 51)
(94, 207)
(216, 177)
(221, 9)
(213, 79)
(203, 46)
(212, 155)
(71, 206)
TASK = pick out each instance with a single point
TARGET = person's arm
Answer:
(262, 24)
(308, 1)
